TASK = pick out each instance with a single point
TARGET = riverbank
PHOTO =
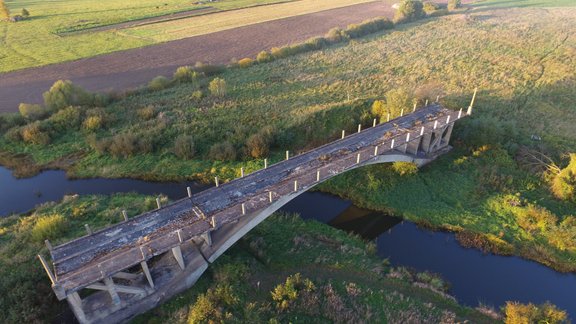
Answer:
(343, 277)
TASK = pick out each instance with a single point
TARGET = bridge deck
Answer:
(88, 259)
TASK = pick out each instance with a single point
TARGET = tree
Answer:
(396, 101)
(4, 11)
(454, 4)
(217, 87)
(410, 10)
(25, 13)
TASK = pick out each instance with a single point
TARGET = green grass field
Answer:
(45, 38)
(522, 60)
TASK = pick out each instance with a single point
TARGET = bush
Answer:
(25, 13)
(209, 69)
(405, 168)
(48, 228)
(409, 10)
(67, 118)
(185, 74)
(35, 133)
(222, 152)
(93, 123)
(184, 147)
(10, 120)
(430, 7)
(396, 100)
(368, 27)
(316, 43)
(217, 87)
(258, 145)
(245, 62)
(335, 35)
(146, 113)
(4, 11)
(564, 183)
(129, 144)
(64, 94)
(454, 4)
(281, 52)
(159, 83)
(264, 57)
(32, 112)
(197, 95)
(285, 294)
(530, 313)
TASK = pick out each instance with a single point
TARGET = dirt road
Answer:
(131, 68)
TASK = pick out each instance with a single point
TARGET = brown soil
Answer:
(132, 68)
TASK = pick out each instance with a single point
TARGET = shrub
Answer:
(185, 74)
(209, 69)
(368, 27)
(48, 227)
(281, 52)
(430, 7)
(217, 87)
(396, 100)
(285, 294)
(67, 118)
(316, 43)
(25, 13)
(564, 183)
(10, 120)
(35, 133)
(409, 10)
(32, 112)
(263, 57)
(146, 113)
(4, 11)
(129, 144)
(92, 123)
(197, 95)
(184, 147)
(222, 152)
(159, 83)
(245, 62)
(530, 313)
(405, 168)
(335, 35)
(64, 94)
(454, 4)
(258, 145)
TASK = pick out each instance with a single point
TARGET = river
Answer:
(473, 276)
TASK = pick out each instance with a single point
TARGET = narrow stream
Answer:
(474, 277)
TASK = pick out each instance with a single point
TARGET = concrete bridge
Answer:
(143, 261)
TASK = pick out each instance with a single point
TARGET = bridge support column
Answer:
(112, 290)
(425, 142)
(177, 251)
(447, 135)
(207, 238)
(412, 147)
(147, 273)
(75, 303)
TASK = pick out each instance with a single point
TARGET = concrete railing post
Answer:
(189, 191)
(388, 117)
(460, 113)
(125, 215)
(295, 185)
(359, 128)
(469, 112)
(374, 123)
(88, 229)
(242, 172)
(343, 134)
(158, 203)
(415, 104)
(392, 144)
(243, 209)
(435, 124)
(422, 131)
(358, 158)
(317, 175)
(48, 245)
(402, 112)
(216, 181)
(265, 163)
(287, 155)
(376, 150)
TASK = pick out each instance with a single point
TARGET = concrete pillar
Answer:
(287, 155)
(343, 134)
(402, 112)
(376, 150)
(295, 185)
(147, 273)
(125, 215)
(437, 98)
(189, 190)
(425, 144)
(75, 303)
(358, 158)
(460, 113)
(426, 104)
(435, 124)
(177, 252)
(243, 209)
(88, 229)
(408, 137)
(388, 117)
(158, 203)
(414, 109)
(265, 163)
(374, 123)
(359, 128)
(447, 135)
(469, 112)
(448, 120)
(207, 238)
(112, 290)
(392, 144)
(242, 172)
(422, 131)
(413, 146)
(213, 222)
(48, 245)
(270, 196)
(216, 181)
(317, 175)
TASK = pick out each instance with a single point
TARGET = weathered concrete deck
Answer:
(228, 210)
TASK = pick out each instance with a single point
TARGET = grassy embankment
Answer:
(487, 189)
(340, 274)
(42, 39)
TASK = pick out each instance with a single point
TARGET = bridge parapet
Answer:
(101, 259)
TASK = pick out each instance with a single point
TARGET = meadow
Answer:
(61, 31)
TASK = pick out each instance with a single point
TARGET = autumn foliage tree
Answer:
(4, 11)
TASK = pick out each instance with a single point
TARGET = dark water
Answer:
(474, 277)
